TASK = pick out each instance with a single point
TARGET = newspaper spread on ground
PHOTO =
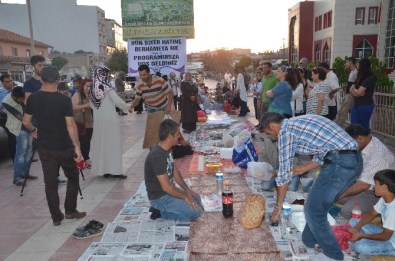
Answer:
(212, 203)
(102, 251)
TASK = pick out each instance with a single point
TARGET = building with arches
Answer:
(324, 30)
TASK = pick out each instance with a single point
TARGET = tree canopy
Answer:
(59, 62)
(118, 61)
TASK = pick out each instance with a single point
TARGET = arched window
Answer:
(317, 54)
(327, 54)
(363, 50)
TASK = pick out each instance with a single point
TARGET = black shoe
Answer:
(94, 223)
(31, 177)
(58, 222)
(155, 213)
(187, 131)
(76, 215)
(18, 182)
(106, 176)
(122, 113)
(34, 160)
(139, 112)
(90, 230)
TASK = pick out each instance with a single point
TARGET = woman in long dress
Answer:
(106, 146)
(189, 101)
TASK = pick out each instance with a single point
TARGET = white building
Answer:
(325, 29)
(63, 24)
(114, 36)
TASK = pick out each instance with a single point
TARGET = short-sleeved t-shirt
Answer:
(281, 102)
(387, 212)
(154, 95)
(32, 85)
(312, 101)
(158, 162)
(268, 83)
(49, 110)
(369, 83)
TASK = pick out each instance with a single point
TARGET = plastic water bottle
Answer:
(356, 211)
(286, 217)
(219, 179)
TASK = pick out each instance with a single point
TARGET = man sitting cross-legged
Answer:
(160, 176)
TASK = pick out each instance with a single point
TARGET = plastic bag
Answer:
(227, 140)
(241, 138)
(236, 129)
(244, 154)
(342, 235)
(260, 170)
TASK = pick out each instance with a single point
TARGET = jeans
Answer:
(176, 208)
(371, 247)
(336, 175)
(23, 154)
(50, 161)
(153, 109)
(292, 186)
(361, 115)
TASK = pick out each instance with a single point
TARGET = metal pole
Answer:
(29, 11)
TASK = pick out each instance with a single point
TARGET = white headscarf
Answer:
(100, 85)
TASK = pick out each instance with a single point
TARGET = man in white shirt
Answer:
(376, 156)
(228, 79)
(333, 82)
(257, 94)
(348, 101)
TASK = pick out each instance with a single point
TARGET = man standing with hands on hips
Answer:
(58, 143)
(341, 164)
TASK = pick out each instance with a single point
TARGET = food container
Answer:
(212, 168)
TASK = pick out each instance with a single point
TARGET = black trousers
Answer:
(332, 111)
(11, 138)
(50, 161)
(85, 143)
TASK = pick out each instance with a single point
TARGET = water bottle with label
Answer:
(286, 218)
(356, 211)
(219, 180)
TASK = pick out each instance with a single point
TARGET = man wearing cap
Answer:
(58, 143)
(341, 164)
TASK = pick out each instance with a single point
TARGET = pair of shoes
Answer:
(94, 223)
(58, 222)
(62, 181)
(18, 182)
(76, 215)
(31, 177)
(90, 230)
(155, 213)
(139, 112)
(106, 176)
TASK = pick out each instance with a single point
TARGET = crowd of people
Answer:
(297, 113)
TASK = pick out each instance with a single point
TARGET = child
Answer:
(370, 239)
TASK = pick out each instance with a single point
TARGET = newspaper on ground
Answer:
(182, 231)
(141, 251)
(211, 202)
(102, 251)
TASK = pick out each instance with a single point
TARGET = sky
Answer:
(259, 25)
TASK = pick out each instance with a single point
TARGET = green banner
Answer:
(157, 19)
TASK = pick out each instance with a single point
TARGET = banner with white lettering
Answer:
(162, 55)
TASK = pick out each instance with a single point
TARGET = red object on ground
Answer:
(342, 235)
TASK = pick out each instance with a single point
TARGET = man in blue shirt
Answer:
(34, 83)
(6, 81)
(341, 164)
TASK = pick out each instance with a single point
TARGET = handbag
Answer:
(244, 153)
(79, 118)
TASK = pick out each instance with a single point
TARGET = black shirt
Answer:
(369, 83)
(50, 110)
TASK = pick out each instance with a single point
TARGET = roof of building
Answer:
(10, 37)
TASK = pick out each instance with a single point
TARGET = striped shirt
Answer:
(312, 101)
(155, 94)
(308, 135)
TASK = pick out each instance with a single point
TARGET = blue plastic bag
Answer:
(244, 154)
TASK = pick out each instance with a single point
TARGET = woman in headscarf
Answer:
(106, 153)
(189, 101)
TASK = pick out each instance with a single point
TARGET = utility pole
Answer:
(29, 11)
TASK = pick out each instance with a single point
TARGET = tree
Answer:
(118, 61)
(245, 61)
(340, 69)
(59, 62)
(218, 61)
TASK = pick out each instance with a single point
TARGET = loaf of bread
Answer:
(253, 211)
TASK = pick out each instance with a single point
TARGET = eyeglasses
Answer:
(285, 68)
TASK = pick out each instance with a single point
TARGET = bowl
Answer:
(212, 168)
